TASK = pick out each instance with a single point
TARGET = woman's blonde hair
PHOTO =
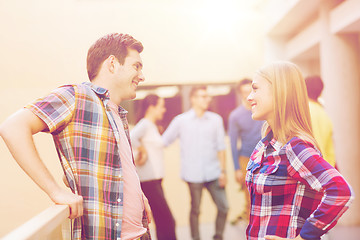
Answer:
(290, 100)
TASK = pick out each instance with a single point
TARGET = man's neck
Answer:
(105, 84)
(246, 104)
(199, 112)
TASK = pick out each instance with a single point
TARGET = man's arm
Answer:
(172, 132)
(147, 208)
(17, 133)
(233, 135)
(222, 158)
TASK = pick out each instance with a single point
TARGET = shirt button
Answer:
(117, 224)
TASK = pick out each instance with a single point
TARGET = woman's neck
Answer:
(150, 117)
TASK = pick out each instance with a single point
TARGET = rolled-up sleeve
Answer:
(56, 109)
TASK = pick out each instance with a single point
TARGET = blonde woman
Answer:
(295, 193)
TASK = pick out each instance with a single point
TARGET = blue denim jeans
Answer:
(219, 197)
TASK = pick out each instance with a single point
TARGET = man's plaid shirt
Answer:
(293, 191)
(86, 137)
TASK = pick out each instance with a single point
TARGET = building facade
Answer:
(322, 37)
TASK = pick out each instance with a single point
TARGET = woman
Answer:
(146, 138)
(286, 176)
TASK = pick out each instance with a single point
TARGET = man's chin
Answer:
(133, 95)
(129, 97)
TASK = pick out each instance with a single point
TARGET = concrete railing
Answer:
(44, 226)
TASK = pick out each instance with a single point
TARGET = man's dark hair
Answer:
(116, 44)
(314, 86)
(194, 89)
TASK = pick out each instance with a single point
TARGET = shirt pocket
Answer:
(266, 178)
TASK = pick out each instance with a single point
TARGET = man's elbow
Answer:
(5, 129)
(1, 130)
(12, 125)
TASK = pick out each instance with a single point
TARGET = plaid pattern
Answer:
(293, 191)
(86, 139)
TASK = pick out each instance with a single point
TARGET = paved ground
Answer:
(237, 232)
(232, 232)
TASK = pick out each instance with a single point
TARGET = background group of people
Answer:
(293, 192)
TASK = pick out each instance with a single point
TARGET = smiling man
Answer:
(90, 131)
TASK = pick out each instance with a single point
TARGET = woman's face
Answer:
(261, 99)
(159, 109)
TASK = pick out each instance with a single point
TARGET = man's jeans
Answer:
(219, 197)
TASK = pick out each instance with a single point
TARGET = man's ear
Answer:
(110, 63)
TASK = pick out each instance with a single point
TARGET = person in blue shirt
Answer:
(202, 147)
(244, 134)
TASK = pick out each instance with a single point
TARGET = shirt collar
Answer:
(104, 95)
(270, 140)
(120, 109)
(102, 92)
(192, 114)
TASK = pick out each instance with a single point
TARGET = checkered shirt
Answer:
(293, 191)
(86, 137)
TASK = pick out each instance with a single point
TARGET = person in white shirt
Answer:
(148, 151)
(203, 160)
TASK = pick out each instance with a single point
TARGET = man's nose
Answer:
(141, 77)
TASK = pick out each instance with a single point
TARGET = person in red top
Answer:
(295, 193)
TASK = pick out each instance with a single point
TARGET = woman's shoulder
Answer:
(301, 145)
(142, 124)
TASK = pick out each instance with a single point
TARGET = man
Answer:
(90, 132)
(246, 131)
(321, 124)
(202, 144)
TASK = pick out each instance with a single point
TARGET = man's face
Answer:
(128, 75)
(245, 91)
(201, 100)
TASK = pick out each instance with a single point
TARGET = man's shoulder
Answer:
(235, 112)
(65, 88)
(72, 88)
(213, 116)
(240, 113)
(240, 110)
(184, 115)
(318, 111)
